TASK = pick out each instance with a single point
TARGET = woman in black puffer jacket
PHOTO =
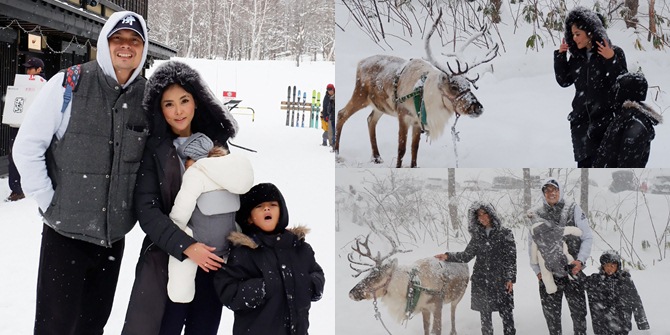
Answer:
(494, 273)
(593, 67)
(174, 117)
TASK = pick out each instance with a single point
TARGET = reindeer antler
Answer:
(429, 52)
(490, 54)
(363, 250)
(358, 250)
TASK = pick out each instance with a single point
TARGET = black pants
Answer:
(507, 318)
(13, 174)
(201, 316)
(76, 284)
(552, 303)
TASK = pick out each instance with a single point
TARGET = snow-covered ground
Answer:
(291, 158)
(524, 123)
(640, 216)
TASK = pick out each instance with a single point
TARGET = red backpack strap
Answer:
(70, 83)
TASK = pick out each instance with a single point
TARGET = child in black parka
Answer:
(271, 276)
(613, 298)
(627, 141)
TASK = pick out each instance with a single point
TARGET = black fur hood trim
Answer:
(644, 109)
(474, 227)
(211, 117)
(588, 21)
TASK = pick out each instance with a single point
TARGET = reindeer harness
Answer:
(417, 94)
(414, 290)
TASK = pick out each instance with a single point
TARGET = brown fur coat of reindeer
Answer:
(383, 81)
(432, 283)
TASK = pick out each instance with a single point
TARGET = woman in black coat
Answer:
(494, 273)
(150, 312)
(271, 276)
(627, 141)
(613, 298)
(593, 67)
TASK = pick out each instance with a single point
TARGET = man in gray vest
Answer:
(554, 215)
(78, 160)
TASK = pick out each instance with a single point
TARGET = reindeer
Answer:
(435, 282)
(390, 83)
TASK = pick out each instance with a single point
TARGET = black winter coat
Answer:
(612, 301)
(627, 141)
(158, 182)
(328, 112)
(594, 77)
(269, 282)
(495, 264)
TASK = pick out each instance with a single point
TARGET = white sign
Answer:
(19, 98)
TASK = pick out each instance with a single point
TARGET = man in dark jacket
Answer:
(557, 212)
(613, 298)
(328, 114)
(494, 273)
(34, 67)
(86, 204)
(627, 141)
(593, 67)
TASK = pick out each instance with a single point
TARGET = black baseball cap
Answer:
(33, 63)
(129, 22)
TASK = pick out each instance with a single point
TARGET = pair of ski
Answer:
(293, 118)
(316, 109)
(294, 108)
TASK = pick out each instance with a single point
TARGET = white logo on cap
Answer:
(129, 20)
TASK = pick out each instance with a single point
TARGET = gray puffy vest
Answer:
(562, 215)
(94, 165)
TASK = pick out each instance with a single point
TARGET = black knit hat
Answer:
(631, 86)
(610, 256)
(258, 194)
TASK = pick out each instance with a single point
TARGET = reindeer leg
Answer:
(426, 321)
(373, 118)
(453, 317)
(359, 100)
(416, 136)
(403, 128)
(437, 318)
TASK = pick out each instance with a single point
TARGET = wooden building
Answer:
(61, 33)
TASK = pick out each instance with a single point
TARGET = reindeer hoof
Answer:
(377, 160)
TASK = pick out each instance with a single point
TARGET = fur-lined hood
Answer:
(211, 117)
(241, 239)
(591, 23)
(643, 108)
(474, 226)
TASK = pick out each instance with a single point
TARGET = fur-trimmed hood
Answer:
(211, 117)
(241, 239)
(643, 108)
(591, 23)
(474, 227)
